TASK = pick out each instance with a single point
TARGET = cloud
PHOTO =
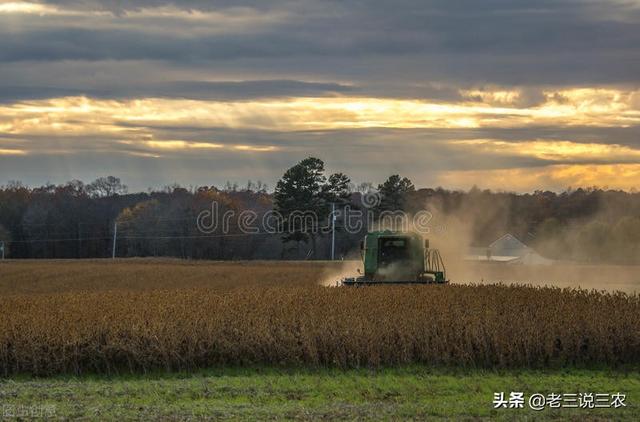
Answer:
(554, 131)
(504, 42)
(121, 6)
(196, 90)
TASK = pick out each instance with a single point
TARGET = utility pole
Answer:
(333, 230)
(115, 238)
(79, 241)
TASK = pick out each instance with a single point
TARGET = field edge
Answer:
(261, 392)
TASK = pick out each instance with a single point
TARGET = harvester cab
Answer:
(398, 258)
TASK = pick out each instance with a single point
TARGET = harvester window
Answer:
(393, 250)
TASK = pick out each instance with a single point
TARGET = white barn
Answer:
(508, 249)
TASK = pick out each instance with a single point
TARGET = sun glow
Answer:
(12, 152)
(173, 145)
(24, 7)
(554, 150)
(584, 107)
(554, 177)
(255, 148)
(146, 128)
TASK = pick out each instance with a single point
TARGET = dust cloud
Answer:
(560, 274)
(569, 245)
(333, 276)
(454, 232)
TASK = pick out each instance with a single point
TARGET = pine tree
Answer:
(303, 199)
(393, 193)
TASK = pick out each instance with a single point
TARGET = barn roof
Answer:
(508, 242)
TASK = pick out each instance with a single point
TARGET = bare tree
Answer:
(106, 186)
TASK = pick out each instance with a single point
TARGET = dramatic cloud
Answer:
(507, 93)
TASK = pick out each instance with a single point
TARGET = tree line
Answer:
(78, 220)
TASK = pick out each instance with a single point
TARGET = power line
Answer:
(199, 236)
(102, 224)
(208, 236)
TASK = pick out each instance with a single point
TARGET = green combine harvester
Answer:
(398, 258)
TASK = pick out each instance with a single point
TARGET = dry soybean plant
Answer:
(187, 328)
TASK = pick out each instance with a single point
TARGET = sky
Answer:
(504, 94)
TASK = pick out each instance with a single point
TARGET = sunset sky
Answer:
(504, 94)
